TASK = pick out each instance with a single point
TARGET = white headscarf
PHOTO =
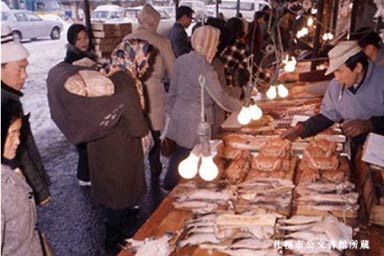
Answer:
(205, 40)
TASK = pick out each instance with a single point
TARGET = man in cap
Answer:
(162, 65)
(13, 74)
(354, 98)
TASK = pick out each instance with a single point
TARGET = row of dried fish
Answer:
(332, 234)
(272, 194)
(233, 234)
(328, 197)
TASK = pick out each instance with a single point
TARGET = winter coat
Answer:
(28, 154)
(183, 101)
(163, 64)
(116, 161)
(19, 236)
(112, 126)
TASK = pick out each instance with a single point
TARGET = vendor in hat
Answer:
(13, 74)
(354, 98)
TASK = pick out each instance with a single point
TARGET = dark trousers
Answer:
(154, 154)
(82, 164)
(118, 226)
(172, 177)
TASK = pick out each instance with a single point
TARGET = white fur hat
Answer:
(11, 50)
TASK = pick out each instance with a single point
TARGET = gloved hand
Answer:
(356, 127)
(292, 133)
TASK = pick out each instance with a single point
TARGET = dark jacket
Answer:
(179, 40)
(28, 154)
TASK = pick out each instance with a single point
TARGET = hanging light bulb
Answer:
(327, 36)
(302, 32)
(244, 117)
(256, 112)
(282, 91)
(290, 65)
(310, 21)
(188, 167)
(314, 11)
(208, 170)
(271, 93)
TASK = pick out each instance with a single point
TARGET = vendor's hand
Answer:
(293, 133)
(357, 127)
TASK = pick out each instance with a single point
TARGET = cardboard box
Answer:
(373, 151)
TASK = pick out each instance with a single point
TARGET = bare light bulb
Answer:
(271, 93)
(327, 36)
(208, 170)
(188, 167)
(256, 112)
(244, 117)
(282, 91)
(310, 21)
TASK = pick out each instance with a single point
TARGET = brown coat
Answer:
(116, 160)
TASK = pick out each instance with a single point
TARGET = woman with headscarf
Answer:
(112, 126)
(183, 101)
(161, 66)
(79, 53)
(19, 236)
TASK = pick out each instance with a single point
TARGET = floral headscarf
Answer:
(132, 56)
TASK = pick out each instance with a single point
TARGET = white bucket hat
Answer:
(341, 53)
(11, 50)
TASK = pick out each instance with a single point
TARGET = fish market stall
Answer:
(271, 196)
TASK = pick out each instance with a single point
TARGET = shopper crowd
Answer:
(118, 113)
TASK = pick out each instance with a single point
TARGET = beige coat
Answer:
(149, 20)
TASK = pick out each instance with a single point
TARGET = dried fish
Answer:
(152, 246)
(198, 207)
(247, 252)
(342, 207)
(299, 219)
(308, 236)
(206, 194)
(252, 243)
(243, 220)
(326, 188)
(198, 238)
(350, 198)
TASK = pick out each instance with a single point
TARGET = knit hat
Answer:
(340, 54)
(73, 31)
(148, 17)
(205, 40)
(10, 49)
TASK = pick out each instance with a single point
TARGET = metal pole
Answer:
(87, 13)
(316, 43)
(237, 8)
(217, 8)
